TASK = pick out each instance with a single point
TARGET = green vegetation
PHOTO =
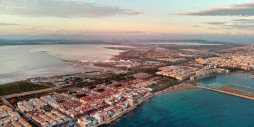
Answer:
(64, 90)
(20, 86)
(81, 95)
(100, 90)
(107, 79)
(119, 77)
(151, 71)
(118, 85)
(163, 84)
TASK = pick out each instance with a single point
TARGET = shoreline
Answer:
(177, 88)
(73, 67)
(108, 122)
(185, 86)
(240, 72)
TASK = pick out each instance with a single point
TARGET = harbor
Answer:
(226, 92)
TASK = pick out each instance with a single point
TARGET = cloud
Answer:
(214, 23)
(244, 20)
(134, 13)
(234, 10)
(249, 27)
(7, 24)
(32, 28)
(240, 24)
(59, 8)
(196, 26)
(43, 30)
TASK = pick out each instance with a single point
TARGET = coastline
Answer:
(239, 72)
(70, 66)
(177, 88)
(113, 119)
(185, 86)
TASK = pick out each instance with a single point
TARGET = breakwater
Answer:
(226, 92)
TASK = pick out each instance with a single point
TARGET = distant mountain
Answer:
(201, 41)
(203, 38)
(189, 41)
(47, 42)
(114, 42)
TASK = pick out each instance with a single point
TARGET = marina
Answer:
(243, 89)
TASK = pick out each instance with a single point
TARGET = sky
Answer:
(220, 20)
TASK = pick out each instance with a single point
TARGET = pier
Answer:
(226, 92)
(241, 86)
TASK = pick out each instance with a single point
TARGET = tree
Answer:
(13, 101)
(37, 96)
(92, 87)
(100, 90)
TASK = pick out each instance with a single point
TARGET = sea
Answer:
(20, 62)
(194, 108)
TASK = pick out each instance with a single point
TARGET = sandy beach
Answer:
(178, 88)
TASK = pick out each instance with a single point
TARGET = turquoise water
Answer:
(223, 80)
(195, 108)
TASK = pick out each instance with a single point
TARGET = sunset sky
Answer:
(90, 19)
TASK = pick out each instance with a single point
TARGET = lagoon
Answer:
(20, 62)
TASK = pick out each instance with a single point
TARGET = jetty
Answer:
(222, 90)
(241, 86)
